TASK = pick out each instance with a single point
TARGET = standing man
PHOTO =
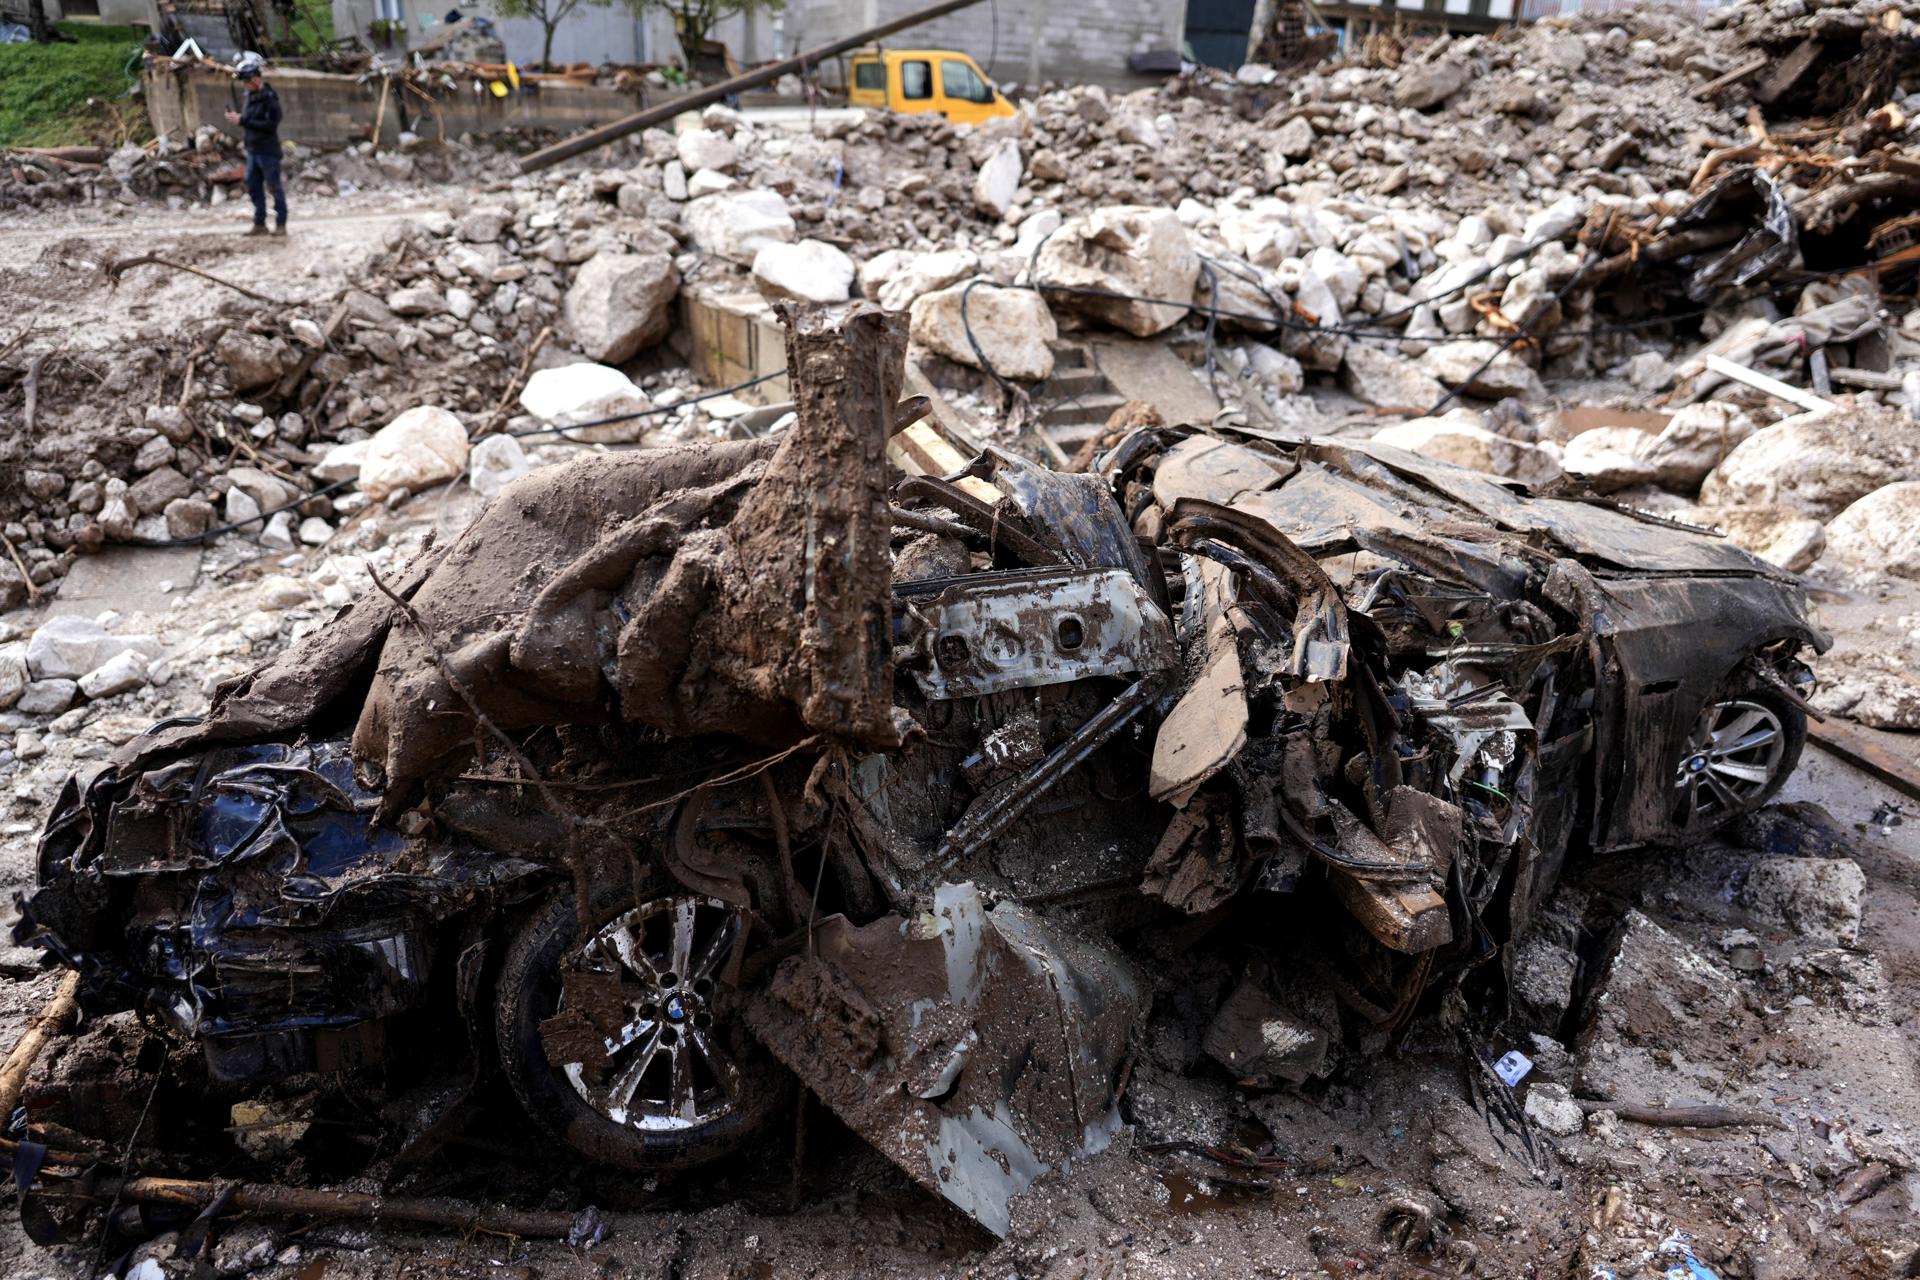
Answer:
(259, 121)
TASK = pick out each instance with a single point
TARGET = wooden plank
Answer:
(921, 450)
(1869, 379)
(1772, 386)
(1861, 750)
(1410, 918)
(1740, 72)
(1788, 73)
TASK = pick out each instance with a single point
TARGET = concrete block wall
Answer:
(323, 110)
(1025, 40)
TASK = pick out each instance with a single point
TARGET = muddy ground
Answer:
(1819, 1033)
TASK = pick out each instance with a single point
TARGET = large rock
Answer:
(121, 673)
(923, 273)
(495, 463)
(68, 648)
(1013, 327)
(1817, 898)
(621, 303)
(1123, 249)
(706, 149)
(252, 361)
(1339, 273)
(1695, 440)
(808, 271)
(1294, 139)
(1457, 366)
(13, 673)
(1428, 84)
(999, 178)
(1651, 984)
(1388, 381)
(1817, 463)
(423, 446)
(586, 392)
(1881, 530)
(1459, 438)
(1778, 535)
(1877, 699)
(1609, 458)
(736, 225)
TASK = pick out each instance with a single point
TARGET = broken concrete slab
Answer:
(1818, 898)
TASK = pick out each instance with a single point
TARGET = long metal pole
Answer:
(569, 147)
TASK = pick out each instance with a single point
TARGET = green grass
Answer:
(312, 24)
(44, 87)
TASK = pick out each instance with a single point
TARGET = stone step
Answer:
(1091, 410)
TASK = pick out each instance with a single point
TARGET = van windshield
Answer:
(958, 80)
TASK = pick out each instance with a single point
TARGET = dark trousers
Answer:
(263, 175)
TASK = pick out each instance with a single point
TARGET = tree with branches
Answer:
(694, 19)
(549, 14)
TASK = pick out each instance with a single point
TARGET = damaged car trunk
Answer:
(681, 774)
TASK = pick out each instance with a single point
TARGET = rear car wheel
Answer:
(629, 1048)
(1739, 753)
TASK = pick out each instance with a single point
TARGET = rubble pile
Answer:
(209, 170)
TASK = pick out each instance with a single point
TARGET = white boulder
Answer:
(495, 463)
(1012, 326)
(422, 447)
(621, 303)
(1388, 381)
(585, 392)
(1881, 530)
(121, 673)
(923, 273)
(1458, 437)
(13, 673)
(807, 271)
(1123, 249)
(68, 648)
(1816, 463)
(706, 149)
(998, 179)
(1457, 365)
(736, 225)
(1778, 535)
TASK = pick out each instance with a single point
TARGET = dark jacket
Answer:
(260, 121)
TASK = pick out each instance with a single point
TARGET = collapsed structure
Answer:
(1001, 714)
(1200, 797)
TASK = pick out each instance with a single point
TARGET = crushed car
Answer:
(683, 774)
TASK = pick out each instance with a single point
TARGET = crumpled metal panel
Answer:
(256, 894)
(977, 1048)
(1050, 626)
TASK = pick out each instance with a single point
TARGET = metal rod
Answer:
(569, 147)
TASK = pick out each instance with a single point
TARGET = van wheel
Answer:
(630, 1048)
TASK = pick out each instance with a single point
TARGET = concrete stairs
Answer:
(1076, 401)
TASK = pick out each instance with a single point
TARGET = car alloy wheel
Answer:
(1732, 760)
(666, 1067)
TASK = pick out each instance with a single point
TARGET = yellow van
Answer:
(925, 80)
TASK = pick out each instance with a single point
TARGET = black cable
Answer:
(660, 411)
(198, 539)
(1519, 331)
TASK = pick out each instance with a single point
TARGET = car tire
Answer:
(529, 993)
(1742, 749)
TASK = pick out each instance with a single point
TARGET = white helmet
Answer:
(248, 65)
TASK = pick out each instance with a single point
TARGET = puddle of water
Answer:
(315, 1270)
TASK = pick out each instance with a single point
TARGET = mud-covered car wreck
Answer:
(680, 774)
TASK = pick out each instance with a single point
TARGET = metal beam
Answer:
(570, 147)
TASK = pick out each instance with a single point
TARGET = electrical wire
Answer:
(659, 411)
